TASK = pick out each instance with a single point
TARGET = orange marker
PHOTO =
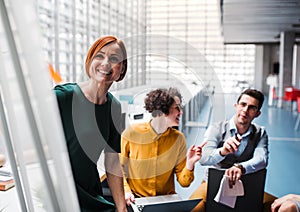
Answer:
(54, 74)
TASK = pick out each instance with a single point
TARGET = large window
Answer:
(70, 27)
(197, 24)
(160, 35)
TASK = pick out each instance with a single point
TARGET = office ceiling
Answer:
(259, 21)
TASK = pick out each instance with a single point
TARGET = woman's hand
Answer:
(129, 197)
(193, 155)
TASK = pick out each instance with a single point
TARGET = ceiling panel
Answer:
(259, 21)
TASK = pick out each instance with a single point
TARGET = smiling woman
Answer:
(153, 151)
(107, 55)
(107, 63)
(91, 118)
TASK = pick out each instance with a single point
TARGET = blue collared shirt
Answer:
(211, 153)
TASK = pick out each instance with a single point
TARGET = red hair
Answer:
(99, 44)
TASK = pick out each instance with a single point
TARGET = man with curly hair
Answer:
(153, 152)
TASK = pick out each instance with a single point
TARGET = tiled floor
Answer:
(283, 171)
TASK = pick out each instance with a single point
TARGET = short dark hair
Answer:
(255, 94)
(160, 100)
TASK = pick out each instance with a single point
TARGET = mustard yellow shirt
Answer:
(150, 160)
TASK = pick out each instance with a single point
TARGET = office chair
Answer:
(253, 183)
(290, 95)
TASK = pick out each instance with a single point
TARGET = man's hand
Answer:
(234, 174)
(231, 145)
(193, 155)
(129, 197)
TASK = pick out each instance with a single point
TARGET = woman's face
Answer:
(174, 113)
(107, 64)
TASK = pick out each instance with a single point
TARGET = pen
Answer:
(238, 137)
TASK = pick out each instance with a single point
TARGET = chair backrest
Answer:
(296, 94)
(291, 93)
(253, 183)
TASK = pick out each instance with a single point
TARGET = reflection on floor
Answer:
(283, 171)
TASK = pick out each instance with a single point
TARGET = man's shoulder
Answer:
(220, 124)
(257, 125)
(258, 128)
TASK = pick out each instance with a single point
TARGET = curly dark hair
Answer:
(175, 92)
(160, 100)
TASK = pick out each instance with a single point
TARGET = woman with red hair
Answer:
(91, 118)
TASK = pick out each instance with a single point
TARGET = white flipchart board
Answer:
(30, 124)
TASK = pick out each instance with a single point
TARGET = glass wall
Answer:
(196, 25)
(70, 27)
(169, 43)
(169, 37)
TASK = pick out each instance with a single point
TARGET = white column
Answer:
(285, 62)
(259, 66)
(296, 66)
